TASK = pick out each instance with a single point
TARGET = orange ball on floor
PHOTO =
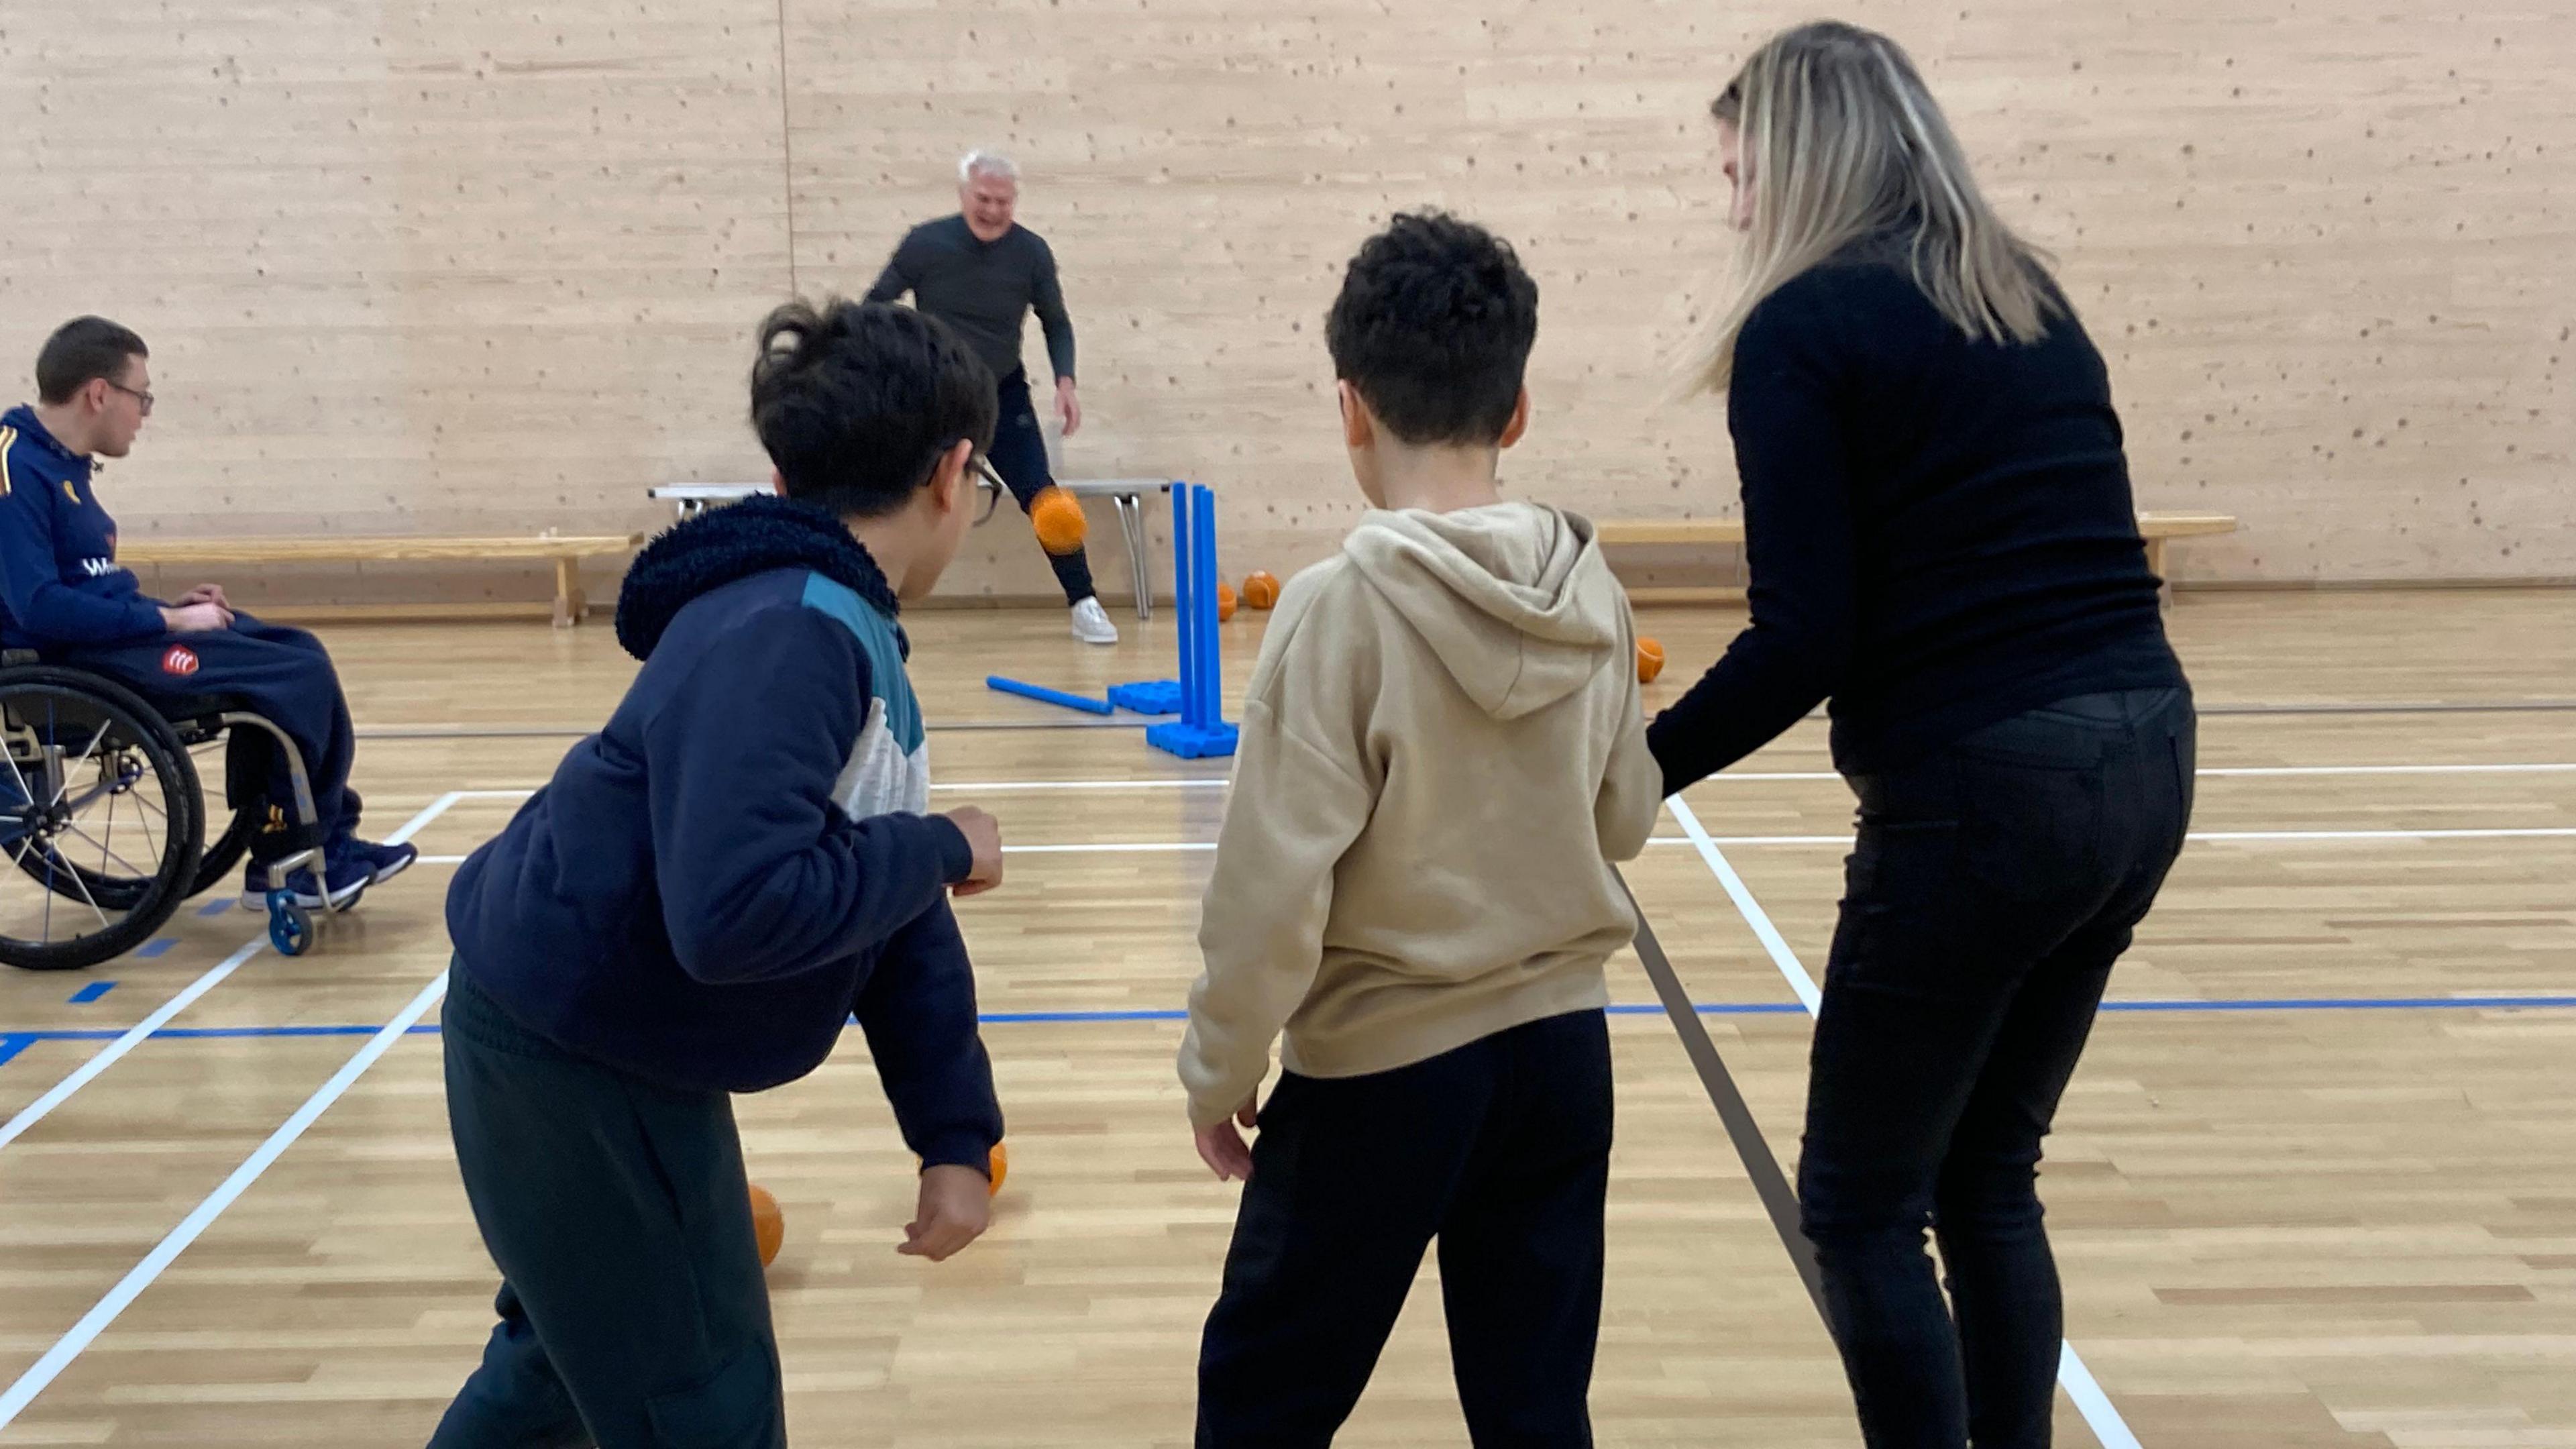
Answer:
(768, 1224)
(1001, 1167)
(1650, 660)
(1224, 602)
(1057, 518)
(1260, 589)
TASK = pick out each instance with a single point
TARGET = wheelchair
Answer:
(105, 820)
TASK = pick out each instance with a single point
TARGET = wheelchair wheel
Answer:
(216, 864)
(223, 853)
(99, 813)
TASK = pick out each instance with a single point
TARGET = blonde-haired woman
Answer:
(1941, 538)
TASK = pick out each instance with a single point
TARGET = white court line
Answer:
(436, 808)
(2257, 770)
(1754, 916)
(131, 1286)
(1141, 847)
(107, 1056)
(1750, 776)
(2090, 1401)
(2242, 772)
(2531, 832)
(1707, 842)
(2514, 832)
(1001, 787)
(1169, 847)
(2095, 1405)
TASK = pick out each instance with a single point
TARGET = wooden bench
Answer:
(2157, 528)
(567, 552)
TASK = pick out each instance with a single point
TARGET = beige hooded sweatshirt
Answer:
(1442, 749)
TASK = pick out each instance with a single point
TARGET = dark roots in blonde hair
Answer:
(1842, 141)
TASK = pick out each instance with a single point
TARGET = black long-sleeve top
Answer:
(1939, 529)
(984, 289)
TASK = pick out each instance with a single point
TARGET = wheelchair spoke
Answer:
(86, 756)
(86, 798)
(26, 792)
(20, 859)
(151, 840)
(107, 854)
(143, 807)
(86, 897)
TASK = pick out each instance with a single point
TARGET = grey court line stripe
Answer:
(1769, 1182)
(2496, 706)
(544, 732)
(539, 732)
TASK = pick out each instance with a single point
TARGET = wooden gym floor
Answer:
(2315, 1185)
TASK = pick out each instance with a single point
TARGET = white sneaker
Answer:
(1091, 623)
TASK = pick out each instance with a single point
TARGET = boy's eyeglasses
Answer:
(136, 393)
(990, 484)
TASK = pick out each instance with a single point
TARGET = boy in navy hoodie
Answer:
(708, 888)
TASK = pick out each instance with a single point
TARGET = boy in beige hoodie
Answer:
(1442, 749)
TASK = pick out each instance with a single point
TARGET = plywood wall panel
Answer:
(458, 264)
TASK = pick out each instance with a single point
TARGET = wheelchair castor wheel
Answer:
(290, 926)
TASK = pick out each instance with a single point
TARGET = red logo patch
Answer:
(180, 660)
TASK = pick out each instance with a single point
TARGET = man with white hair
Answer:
(980, 272)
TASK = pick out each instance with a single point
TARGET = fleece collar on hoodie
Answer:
(722, 545)
(1540, 608)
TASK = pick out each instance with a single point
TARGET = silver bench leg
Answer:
(1140, 560)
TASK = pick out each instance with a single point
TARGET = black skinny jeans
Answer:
(1992, 886)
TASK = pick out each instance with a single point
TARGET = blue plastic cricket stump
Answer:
(1201, 732)
(1044, 695)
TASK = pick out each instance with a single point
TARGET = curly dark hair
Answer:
(1433, 327)
(856, 401)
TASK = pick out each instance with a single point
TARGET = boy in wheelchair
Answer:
(63, 594)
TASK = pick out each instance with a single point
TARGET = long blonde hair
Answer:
(1841, 141)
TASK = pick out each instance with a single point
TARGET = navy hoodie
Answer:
(712, 884)
(60, 582)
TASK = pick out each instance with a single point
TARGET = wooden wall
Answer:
(458, 265)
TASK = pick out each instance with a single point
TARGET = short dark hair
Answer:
(1433, 327)
(857, 401)
(81, 352)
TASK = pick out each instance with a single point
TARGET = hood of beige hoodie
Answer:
(1541, 605)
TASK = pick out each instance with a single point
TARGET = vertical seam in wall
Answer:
(786, 149)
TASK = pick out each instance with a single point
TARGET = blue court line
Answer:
(92, 992)
(12, 1043)
(1022, 1018)
(217, 908)
(2347, 1003)
(153, 949)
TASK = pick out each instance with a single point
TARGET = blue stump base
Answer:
(1147, 696)
(1192, 742)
